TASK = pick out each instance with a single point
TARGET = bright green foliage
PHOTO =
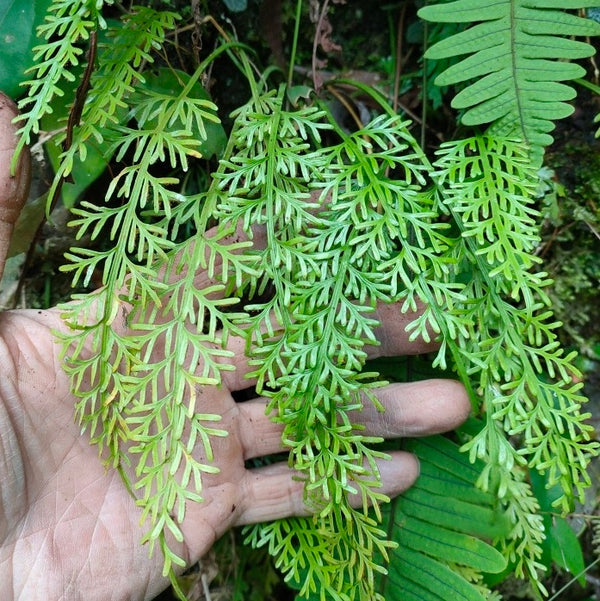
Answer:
(324, 268)
(439, 527)
(312, 236)
(512, 56)
(67, 24)
(120, 407)
(17, 38)
(489, 187)
(312, 351)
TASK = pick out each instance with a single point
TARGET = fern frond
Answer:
(131, 380)
(128, 46)
(525, 379)
(328, 268)
(67, 24)
(518, 53)
(439, 525)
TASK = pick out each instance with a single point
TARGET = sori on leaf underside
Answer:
(365, 219)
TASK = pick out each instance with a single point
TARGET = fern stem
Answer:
(424, 83)
(294, 43)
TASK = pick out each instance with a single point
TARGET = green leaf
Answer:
(18, 21)
(295, 93)
(441, 453)
(566, 549)
(561, 545)
(68, 28)
(97, 154)
(489, 188)
(452, 514)
(427, 579)
(439, 526)
(517, 58)
(451, 546)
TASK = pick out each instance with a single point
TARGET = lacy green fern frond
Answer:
(511, 352)
(518, 53)
(130, 379)
(330, 257)
(68, 23)
(314, 354)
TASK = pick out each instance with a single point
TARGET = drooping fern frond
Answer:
(528, 385)
(66, 29)
(517, 55)
(442, 529)
(131, 385)
(314, 354)
(329, 262)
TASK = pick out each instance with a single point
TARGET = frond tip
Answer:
(517, 55)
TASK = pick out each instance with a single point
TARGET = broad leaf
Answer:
(561, 545)
(18, 21)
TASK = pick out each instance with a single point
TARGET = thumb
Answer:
(13, 189)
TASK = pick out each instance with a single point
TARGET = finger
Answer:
(13, 189)
(392, 335)
(411, 409)
(415, 409)
(275, 492)
(259, 434)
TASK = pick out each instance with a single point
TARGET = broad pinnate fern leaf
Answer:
(517, 54)
(438, 526)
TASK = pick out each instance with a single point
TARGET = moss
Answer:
(571, 243)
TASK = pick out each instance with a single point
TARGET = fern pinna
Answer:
(347, 224)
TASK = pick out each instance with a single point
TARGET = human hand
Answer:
(69, 528)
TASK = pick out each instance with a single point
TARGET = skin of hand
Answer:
(70, 531)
